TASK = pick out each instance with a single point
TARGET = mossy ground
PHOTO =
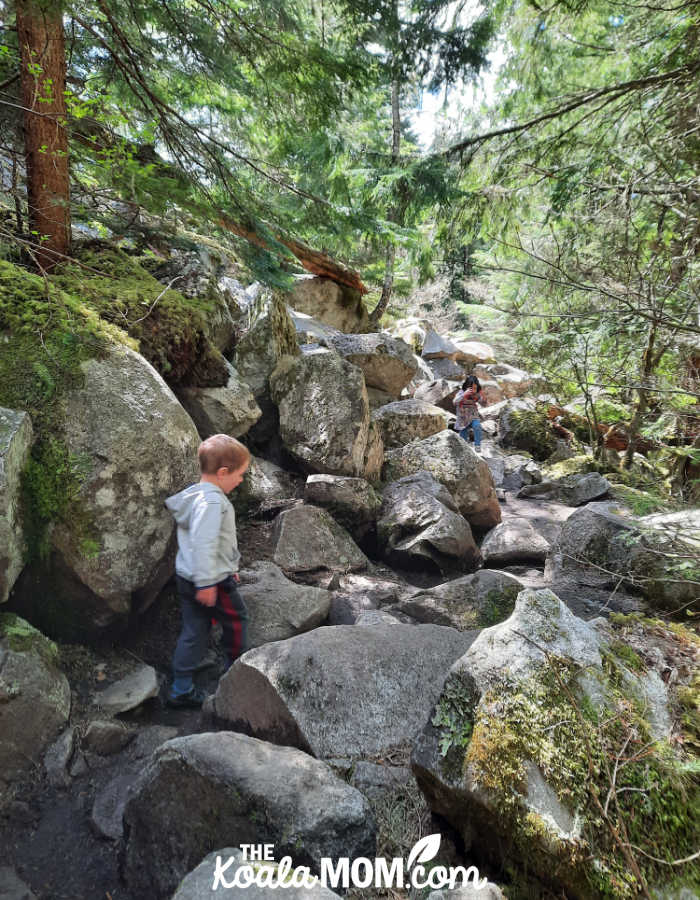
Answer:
(168, 327)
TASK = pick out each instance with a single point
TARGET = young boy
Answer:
(206, 564)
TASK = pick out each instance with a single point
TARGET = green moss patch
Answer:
(532, 431)
(168, 326)
(21, 637)
(47, 333)
(601, 764)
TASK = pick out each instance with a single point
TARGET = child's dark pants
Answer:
(230, 611)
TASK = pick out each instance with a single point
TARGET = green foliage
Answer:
(453, 714)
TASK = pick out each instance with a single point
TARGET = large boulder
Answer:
(332, 303)
(419, 520)
(452, 462)
(280, 607)
(423, 373)
(539, 715)
(600, 547)
(436, 346)
(324, 412)
(199, 273)
(513, 541)
(522, 426)
(352, 502)
(270, 336)
(406, 420)
(34, 697)
(234, 868)
(412, 331)
(573, 490)
(472, 353)
(343, 690)
(263, 481)
(373, 458)
(230, 409)
(15, 444)
(386, 362)
(473, 601)
(306, 538)
(512, 382)
(518, 471)
(310, 330)
(207, 789)
(444, 367)
(440, 392)
(136, 445)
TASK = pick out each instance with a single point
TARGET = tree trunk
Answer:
(645, 370)
(393, 215)
(43, 84)
(312, 260)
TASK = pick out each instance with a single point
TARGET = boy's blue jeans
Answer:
(229, 610)
(475, 425)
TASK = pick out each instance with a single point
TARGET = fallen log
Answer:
(312, 260)
(98, 139)
(615, 437)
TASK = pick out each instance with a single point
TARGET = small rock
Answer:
(106, 737)
(12, 887)
(108, 808)
(58, 758)
(79, 766)
(130, 692)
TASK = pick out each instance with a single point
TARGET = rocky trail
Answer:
(410, 600)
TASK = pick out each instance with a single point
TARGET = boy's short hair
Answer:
(221, 451)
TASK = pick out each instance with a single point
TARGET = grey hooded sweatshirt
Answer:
(207, 550)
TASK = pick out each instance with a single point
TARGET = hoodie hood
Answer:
(182, 503)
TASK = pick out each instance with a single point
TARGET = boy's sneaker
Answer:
(193, 699)
(478, 449)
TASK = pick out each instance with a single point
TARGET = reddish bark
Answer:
(615, 437)
(43, 84)
(312, 260)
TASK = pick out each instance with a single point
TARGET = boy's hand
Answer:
(236, 577)
(206, 596)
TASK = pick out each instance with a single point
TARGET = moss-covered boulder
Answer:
(270, 336)
(170, 328)
(15, 443)
(34, 697)
(602, 547)
(541, 750)
(473, 601)
(112, 550)
(524, 426)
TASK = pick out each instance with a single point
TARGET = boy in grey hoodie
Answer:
(207, 563)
